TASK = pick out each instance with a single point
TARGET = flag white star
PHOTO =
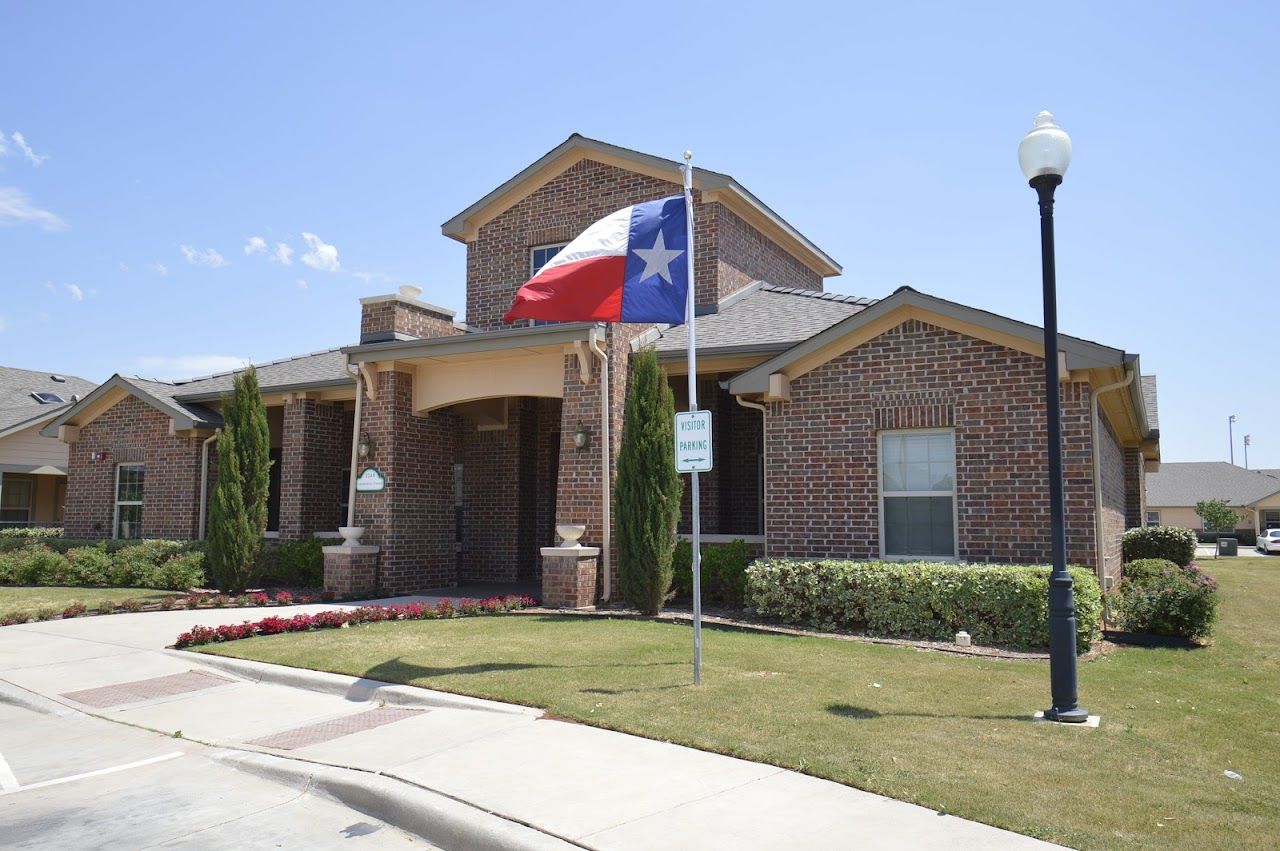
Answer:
(657, 260)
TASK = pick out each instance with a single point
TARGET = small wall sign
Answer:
(693, 441)
(370, 480)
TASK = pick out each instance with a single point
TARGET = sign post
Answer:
(693, 412)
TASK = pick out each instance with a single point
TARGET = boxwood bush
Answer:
(724, 572)
(296, 564)
(996, 604)
(145, 564)
(1167, 542)
(1164, 599)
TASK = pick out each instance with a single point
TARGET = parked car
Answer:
(1269, 541)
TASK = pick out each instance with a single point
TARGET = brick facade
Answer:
(1135, 487)
(315, 449)
(1111, 464)
(383, 317)
(823, 455)
(133, 431)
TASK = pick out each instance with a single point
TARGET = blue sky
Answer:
(146, 144)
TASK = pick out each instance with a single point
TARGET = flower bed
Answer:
(339, 618)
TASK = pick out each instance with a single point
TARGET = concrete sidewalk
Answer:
(521, 780)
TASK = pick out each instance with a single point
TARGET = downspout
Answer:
(355, 451)
(604, 463)
(1100, 570)
(204, 477)
(764, 484)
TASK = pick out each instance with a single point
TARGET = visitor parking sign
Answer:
(693, 442)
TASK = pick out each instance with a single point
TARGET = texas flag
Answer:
(630, 266)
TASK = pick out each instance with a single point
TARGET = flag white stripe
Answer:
(605, 238)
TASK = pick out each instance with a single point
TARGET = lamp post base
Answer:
(1067, 716)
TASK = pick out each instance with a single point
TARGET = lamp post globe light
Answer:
(1044, 155)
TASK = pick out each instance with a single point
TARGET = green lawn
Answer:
(32, 599)
(944, 731)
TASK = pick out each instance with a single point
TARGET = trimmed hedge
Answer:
(31, 532)
(296, 564)
(996, 604)
(724, 572)
(1164, 599)
(1167, 542)
(145, 564)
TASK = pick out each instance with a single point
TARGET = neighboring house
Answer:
(908, 427)
(33, 469)
(1173, 492)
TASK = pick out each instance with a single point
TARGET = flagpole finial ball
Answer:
(688, 155)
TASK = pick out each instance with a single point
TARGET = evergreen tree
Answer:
(238, 509)
(648, 489)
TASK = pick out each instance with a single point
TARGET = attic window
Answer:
(47, 398)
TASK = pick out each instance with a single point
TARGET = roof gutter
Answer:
(1100, 556)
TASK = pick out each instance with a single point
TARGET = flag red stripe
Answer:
(587, 291)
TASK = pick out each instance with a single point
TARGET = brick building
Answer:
(850, 427)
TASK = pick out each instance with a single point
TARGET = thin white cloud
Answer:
(32, 157)
(48, 285)
(283, 255)
(255, 245)
(186, 366)
(203, 257)
(322, 256)
(74, 291)
(17, 209)
(159, 268)
(302, 284)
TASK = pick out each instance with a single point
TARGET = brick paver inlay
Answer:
(105, 697)
(324, 731)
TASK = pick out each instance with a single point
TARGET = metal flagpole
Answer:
(693, 406)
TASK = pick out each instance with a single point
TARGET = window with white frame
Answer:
(16, 494)
(540, 255)
(129, 481)
(1153, 518)
(917, 493)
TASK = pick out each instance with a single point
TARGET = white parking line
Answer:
(9, 790)
(7, 781)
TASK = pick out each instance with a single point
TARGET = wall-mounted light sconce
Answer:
(100, 455)
(581, 437)
(365, 447)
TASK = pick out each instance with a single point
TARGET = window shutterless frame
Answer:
(134, 476)
(1153, 518)
(883, 493)
(539, 255)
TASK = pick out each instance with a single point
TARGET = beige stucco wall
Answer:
(1186, 517)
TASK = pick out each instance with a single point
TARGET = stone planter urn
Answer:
(350, 535)
(569, 534)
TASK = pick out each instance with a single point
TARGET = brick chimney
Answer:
(403, 316)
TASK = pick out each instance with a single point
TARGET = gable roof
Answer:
(761, 318)
(1178, 484)
(182, 400)
(20, 409)
(714, 186)
(1079, 353)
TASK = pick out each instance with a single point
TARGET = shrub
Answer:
(1174, 601)
(31, 533)
(180, 572)
(106, 607)
(1167, 542)
(995, 604)
(648, 488)
(15, 616)
(238, 509)
(90, 566)
(298, 564)
(1143, 569)
(724, 572)
(74, 608)
(131, 605)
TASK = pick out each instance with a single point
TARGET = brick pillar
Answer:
(412, 519)
(403, 316)
(315, 449)
(351, 571)
(1135, 489)
(569, 577)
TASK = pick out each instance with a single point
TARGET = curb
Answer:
(355, 689)
(13, 695)
(437, 818)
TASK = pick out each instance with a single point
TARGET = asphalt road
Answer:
(69, 780)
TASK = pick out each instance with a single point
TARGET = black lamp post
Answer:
(1044, 155)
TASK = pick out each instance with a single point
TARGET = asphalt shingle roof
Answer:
(17, 385)
(1186, 483)
(767, 316)
(165, 392)
(321, 367)
(1149, 401)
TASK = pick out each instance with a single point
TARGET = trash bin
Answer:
(1227, 546)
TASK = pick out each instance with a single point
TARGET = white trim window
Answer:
(129, 486)
(1153, 517)
(918, 494)
(540, 255)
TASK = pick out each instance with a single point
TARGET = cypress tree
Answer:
(648, 488)
(238, 509)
